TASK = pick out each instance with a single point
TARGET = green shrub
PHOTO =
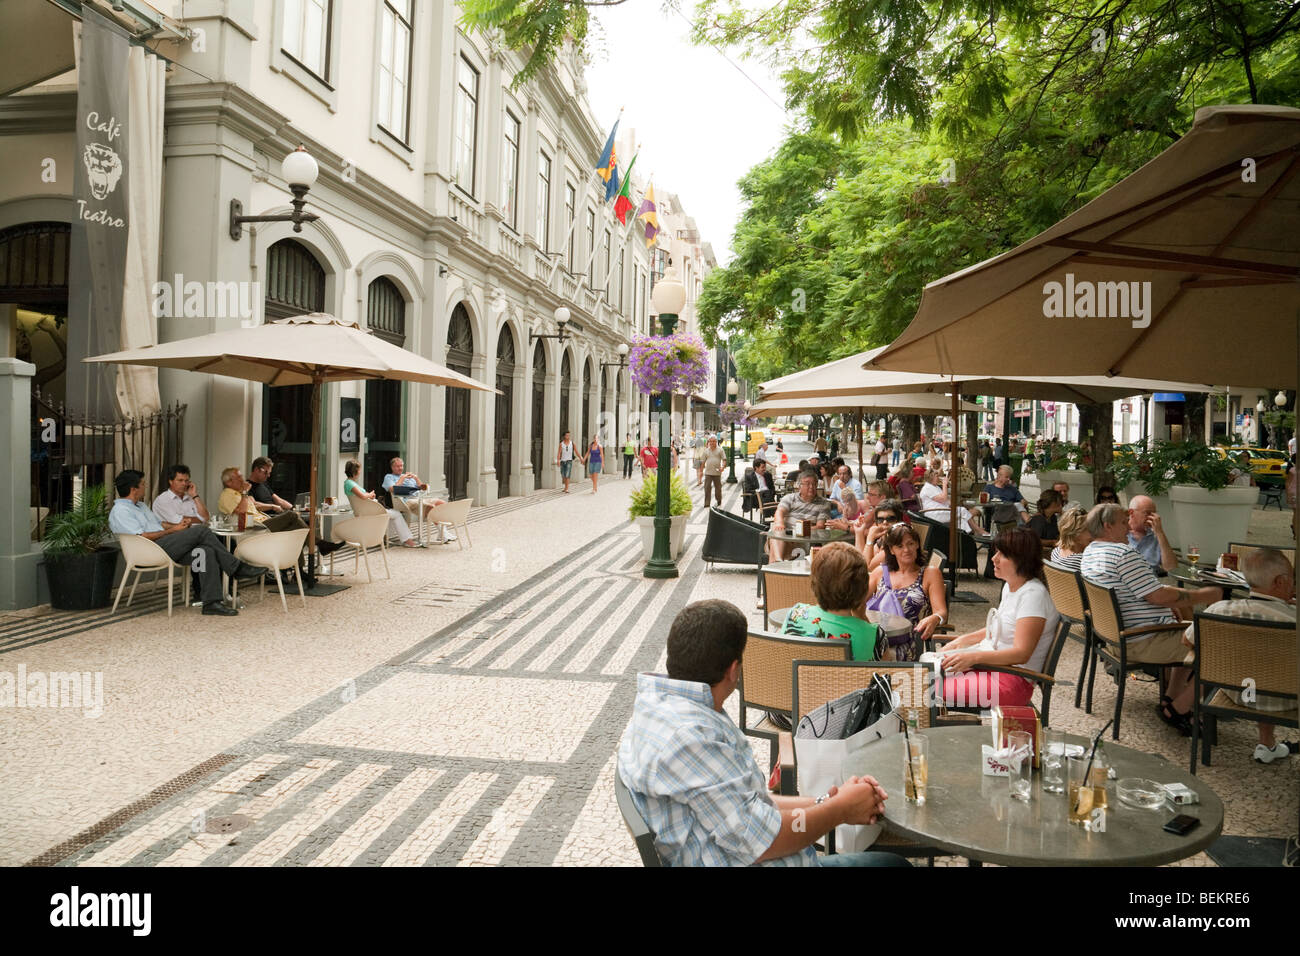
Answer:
(82, 529)
(642, 504)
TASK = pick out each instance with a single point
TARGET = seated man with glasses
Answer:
(806, 503)
(692, 773)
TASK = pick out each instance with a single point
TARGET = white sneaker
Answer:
(1269, 754)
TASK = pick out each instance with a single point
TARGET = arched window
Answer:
(386, 311)
(460, 355)
(295, 281)
(539, 413)
(385, 413)
(566, 390)
(34, 263)
(504, 422)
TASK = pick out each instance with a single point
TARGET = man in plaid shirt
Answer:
(693, 776)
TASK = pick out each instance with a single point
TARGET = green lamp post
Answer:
(732, 389)
(667, 299)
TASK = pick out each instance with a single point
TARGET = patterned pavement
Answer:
(482, 744)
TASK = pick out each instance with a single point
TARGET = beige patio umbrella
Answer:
(1207, 235)
(300, 350)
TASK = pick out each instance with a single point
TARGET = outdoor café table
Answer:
(1195, 578)
(893, 625)
(973, 815)
(824, 536)
(323, 527)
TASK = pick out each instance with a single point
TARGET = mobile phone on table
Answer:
(1182, 824)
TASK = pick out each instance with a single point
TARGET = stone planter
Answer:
(1211, 519)
(676, 535)
(1080, 482)
(1030, 486)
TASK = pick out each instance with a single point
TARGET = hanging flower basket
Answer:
(672, 363)
(733, 413)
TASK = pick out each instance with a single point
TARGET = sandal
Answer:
(1180, 722)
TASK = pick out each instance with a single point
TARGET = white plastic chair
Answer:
(456, 514)
(363, 532)
(364, 507)
(412, 510)
(277, 550)
(142, 555)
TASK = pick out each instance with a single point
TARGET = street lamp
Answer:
(622, 358)
(1280, 399)
(667, 299)
(561, 323)
(299, 171)
(732, 389)
(748, 406)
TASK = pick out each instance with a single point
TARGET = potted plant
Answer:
(78, 565)
(1072, 464)
(642, 511)
(1207, 512)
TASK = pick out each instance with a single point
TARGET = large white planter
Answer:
(676, 535)
(1080, 482)
(1211, 519)
(1030, 486)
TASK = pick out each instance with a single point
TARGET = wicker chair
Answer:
(1110, 641)
(1066, 588)
(785, 589)
(818, 682)
(765, 677)
(1230, 651)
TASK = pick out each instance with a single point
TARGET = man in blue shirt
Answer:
(1146, 533)
(184, 543)
(692, 774)
(401, 484)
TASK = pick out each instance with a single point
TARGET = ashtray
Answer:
(1140, 793)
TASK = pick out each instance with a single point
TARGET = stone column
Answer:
(18, 556)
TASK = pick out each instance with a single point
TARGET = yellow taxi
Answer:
(1267, 465)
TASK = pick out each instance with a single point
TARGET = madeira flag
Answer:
(607, 165)
(623, 205)
(649, 215)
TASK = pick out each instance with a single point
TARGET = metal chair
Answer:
(1066, 588)
(142, 555)
(1110, 641)
(765, 678)
(1273, 495)
(641, 833)
(785, 589)
(818, 682)
(1234, 653)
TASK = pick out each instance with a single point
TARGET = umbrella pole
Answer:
(861, 438)
(312, 489)
(953, 478)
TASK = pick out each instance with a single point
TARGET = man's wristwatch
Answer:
(822, 799)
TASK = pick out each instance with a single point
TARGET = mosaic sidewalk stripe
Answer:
(355, 840)
(416, 849)
(507, 822)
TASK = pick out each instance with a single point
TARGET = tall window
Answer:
(307, 34)
(590, 247)
(570, 212)
(466, 124)
(510, 172)
(606, 258)
(395, 67)
(544, 201)
(622, 264)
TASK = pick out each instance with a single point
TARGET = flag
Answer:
(607, 165)
(648, 215)
(623, 205)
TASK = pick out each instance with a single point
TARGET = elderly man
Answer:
(1001, 489)
(184, 542)
(692, 773)
(1063, 489)
(236, 500)
(401, 484)
(1272, 598)
(1146, 533)
(1111, 561)
(845, 482)
(711, 462)
(807, 503)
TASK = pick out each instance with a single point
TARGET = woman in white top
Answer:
(1019, 632)
(935, 505)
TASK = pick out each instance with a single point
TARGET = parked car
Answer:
(1267, 465)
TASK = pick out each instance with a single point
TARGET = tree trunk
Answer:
(1096, 431)
(911, 432)
(971, 425)
(1194, 416)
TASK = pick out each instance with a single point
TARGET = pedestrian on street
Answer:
(649, 456)
(629, 454)
(564, 456)
(880, 458)
(698, 443)
(594, 460)
(712, 461)
(835, 446)
(897, 452)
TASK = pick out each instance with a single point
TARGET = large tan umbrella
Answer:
(300, 350)
(1211, 225)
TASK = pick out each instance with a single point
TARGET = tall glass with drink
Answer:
(916, 765)
(1053, 761)
(1020, 761)
(1087, 788)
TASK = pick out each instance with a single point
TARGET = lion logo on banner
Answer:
(104, 168)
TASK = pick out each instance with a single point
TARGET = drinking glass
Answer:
(1020, 760)
(915, 768)
(1053, 761)
(1084, 795)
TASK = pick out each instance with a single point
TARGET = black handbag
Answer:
(850, 714)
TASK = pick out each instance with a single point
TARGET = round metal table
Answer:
(1191, 576)
(973, 815)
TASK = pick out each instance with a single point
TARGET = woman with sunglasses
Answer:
(869, 533)
(1106, 494)
(919, 590)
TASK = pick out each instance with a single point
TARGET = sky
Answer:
(701, 124)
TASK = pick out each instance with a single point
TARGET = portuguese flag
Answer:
(623, 204)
